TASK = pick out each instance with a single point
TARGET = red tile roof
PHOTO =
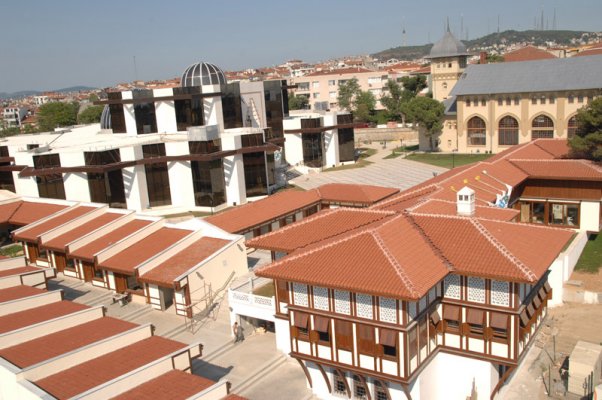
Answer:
(46, 347)
(589, 52)
(173, 385)
(527, 53)
(18, 271)
(32, 234)
(167, 272)
(243, 218)
(59, 243)
(18, 292)
(127, 260)
(406, 199)
(36, 315)
(391, 260)
(558, 148)
(88, 251)
(355, 194)
(442, 207)
(318, 227)
(31, 211)
(8, 209)
(560, 169)
(97, 371)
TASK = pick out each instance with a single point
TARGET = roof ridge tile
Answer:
(503, 250)
(436, 250)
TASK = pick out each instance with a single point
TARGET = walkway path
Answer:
(395, 172)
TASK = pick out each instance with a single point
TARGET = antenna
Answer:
(554, 27)
(403, 34)
(498, 23)
(541, 23)
(461, 25)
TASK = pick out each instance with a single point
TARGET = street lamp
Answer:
(454, 151)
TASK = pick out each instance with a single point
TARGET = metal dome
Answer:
(105, 118)
(448, 46)
(202, 74)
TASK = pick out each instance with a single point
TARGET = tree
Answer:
(347, 91)
(53, 115)
(414, 84)
(93, 97)
(363, 106)
(428, 114)
(90, 115)
(9, 131)
(587, 142)
(494, 58)
(394, 100)
(297, 102)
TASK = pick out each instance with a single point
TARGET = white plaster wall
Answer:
(293, 148)
(234, 173)
(134, 180)
(331, 142)
(130, 117)
(283, 335)
(590, 216)
(180, 175)
(573, 252)
(254, 91)
(213, 107)
(25, 186)
(165, 112)
(76, 184)
(319, 387)
(449, 376)
(556, 281)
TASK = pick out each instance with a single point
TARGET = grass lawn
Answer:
(361, 161)
(265, 290)
(12, 250)
(447, 160)
(591, 258)
(398, 151)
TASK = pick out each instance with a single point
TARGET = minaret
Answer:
(448, 61)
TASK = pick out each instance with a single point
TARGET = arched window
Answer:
(476, 132)
(508, 131)
(573, 127)
(542, 128)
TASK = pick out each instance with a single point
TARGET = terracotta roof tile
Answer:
(32, 234)
(527, 53)
(367, 261)
(166, 272)
(8, 209)
(243, 218)
(60, 243)
(128, 259)
(558, 148)
(173, 385)
(36, 315)
(441, 207)
(46, 347)
(18, 292)
(31, 211)
(18, 271)
(560, 169)
(97, 371)
(589, 52)
(355, 194)
(88, 251)
(316, 228)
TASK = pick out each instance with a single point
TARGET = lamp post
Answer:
(454, 151)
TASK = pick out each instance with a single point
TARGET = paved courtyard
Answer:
(395, 172)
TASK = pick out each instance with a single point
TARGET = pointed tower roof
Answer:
(448, 46)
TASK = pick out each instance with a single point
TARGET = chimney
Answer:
(483, 57)
(465, 202)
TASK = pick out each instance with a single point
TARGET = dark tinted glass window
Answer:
(4, 151)
(211, 146)
(189, 112)
(274, 109)
(106, 187)
(231, 106)
(312, 149)
(252, 140)
(6, 177)
(271, 169)
(157, 177)
(346, 138)
(255, 174)
(117, 118)
(207, 176)
(146, 121)
(50, 186)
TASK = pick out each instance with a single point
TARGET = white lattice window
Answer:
(363, 303)
(300, 295)
(321, 298)
(341, 302)
(452, 286)
(412, 310)
(476, 289)
(422, 303)
(387, 310)
(500, 293)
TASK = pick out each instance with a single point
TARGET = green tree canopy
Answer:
(54, 115)
(347, 91)
(587, 143)
(363, 106)
(90, 115)
(428, 114)
(414, 84)
(297, 102)
(93, 97)
(395, 100)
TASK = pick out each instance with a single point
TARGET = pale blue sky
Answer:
(53, 44)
